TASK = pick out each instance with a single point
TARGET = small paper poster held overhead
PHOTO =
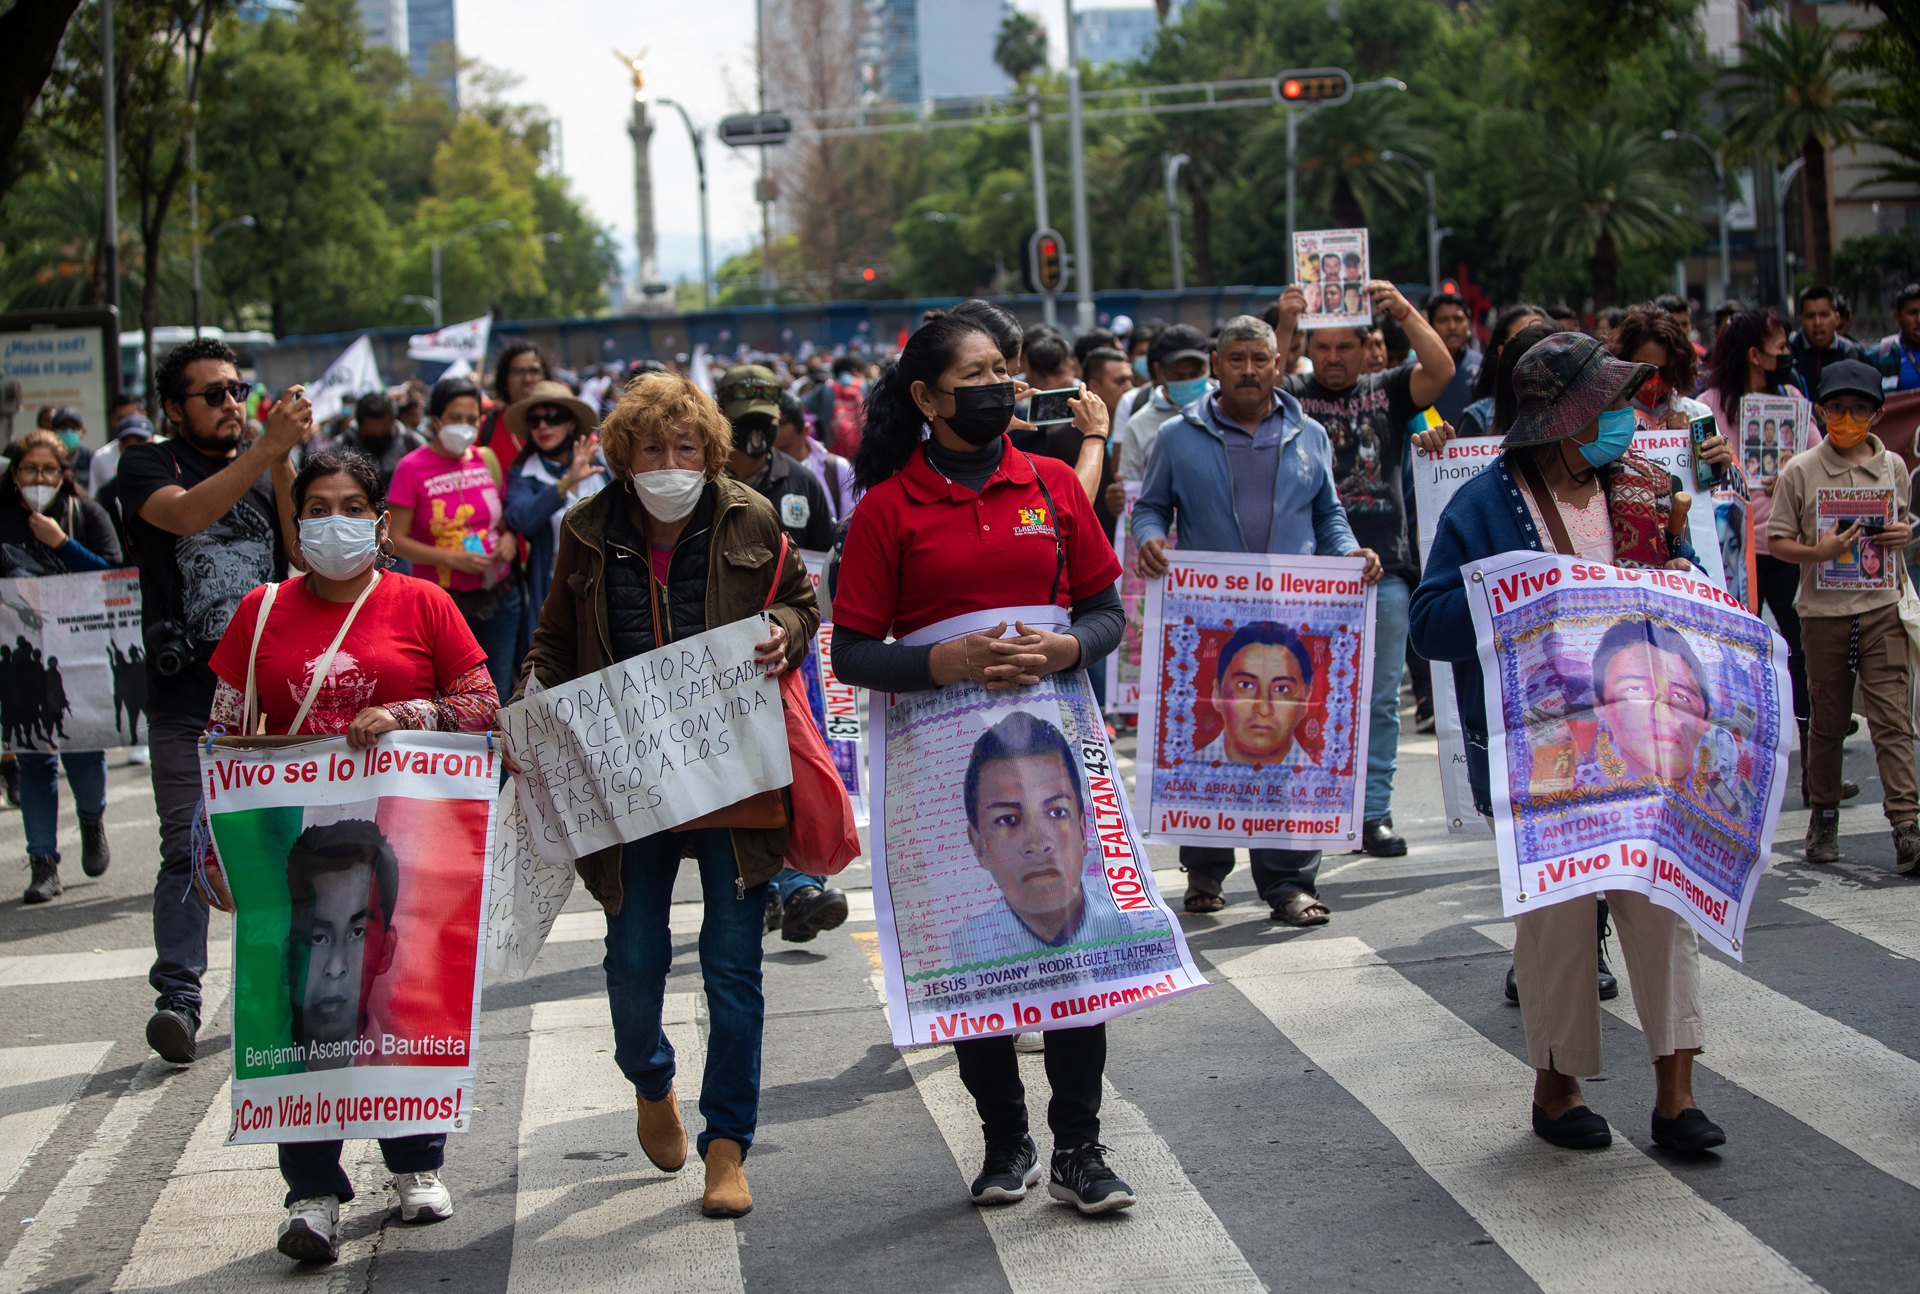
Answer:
(1331, 267)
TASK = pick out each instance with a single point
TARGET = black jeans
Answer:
(1076, 1062)
(1277, 873)
(312, 1168)
(179, 917)
(1779, 582)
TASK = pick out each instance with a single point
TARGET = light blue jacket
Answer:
(1187, 477)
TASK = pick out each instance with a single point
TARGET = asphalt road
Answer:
(1345, 1108)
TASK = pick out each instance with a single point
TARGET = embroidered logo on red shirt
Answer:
(1032, 521)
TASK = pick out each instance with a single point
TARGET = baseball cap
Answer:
(1563, 383)
(1851, 377)
(747, 389)
(134, 424)
(67, 415)
(1180, 341)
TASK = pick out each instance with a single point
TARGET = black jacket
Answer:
(794, 493)
(630, 610)
(24, 556)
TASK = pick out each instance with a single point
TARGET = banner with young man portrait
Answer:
(1011, 888)
(1253, 706)
(1638, 732)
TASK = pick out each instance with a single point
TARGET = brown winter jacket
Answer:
(573, 639)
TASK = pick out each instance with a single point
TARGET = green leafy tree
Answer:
(1579, 46)
(1888, 54)
(1789, 96)
(1021, 46)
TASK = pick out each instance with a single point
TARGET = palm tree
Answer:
(1789, 96)
(1021, 45)
(1597, 191)
(1342, 170)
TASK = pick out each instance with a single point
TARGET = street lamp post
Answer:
(700, 165)
(1041, 220)
(238, 222)
(1077, 160)
(1433, 216)
(470, 229)
(1781, 183)
(110, 160)
(1170, 167)
(1720, 207)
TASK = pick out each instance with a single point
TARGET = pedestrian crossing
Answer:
(589, 1213)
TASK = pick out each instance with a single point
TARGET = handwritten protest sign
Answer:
(1637, 736)
(1436, 478)
(1010, 885)
(359, 877)
(73, 673)
(1253, 714)
(1123, 663)
(649, 743)
(526, 890)
(1330, 265)
(839, 709)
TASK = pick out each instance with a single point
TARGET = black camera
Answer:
(167, 647)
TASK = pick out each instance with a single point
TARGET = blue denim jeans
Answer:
(499, 637)
(789, 880)
(312, 1168)
(40, 794)
(639, 953)
(1389, 658)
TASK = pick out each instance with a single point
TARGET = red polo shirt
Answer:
(922, 549)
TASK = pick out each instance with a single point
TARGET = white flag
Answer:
(349, 377)
(702, 373)
(467, 341)
(459, 368)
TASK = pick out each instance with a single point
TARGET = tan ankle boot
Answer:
(726, 1195)
(661, 1134)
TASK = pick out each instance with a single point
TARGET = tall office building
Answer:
(385, 23)
(1114, 35)
(430, 24)
(938, 49)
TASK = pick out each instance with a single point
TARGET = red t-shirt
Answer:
(408, 643)
(922, 549)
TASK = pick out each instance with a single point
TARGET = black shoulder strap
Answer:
(1059, 541)
(1548, 505)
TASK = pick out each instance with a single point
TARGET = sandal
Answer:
(1302, 909)
(1202, 902)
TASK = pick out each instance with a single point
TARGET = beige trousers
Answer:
(1554, 953)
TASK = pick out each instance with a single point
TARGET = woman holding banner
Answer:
(348, 649)
(38, 495)
(1567, 474)
(677, 549)
(956, 521)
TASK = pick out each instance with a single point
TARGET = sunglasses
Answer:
(549, 418)
(215, 396)
(751, 388)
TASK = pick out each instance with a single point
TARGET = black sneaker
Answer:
(171, 1034)
(809, 910)
(1609, 986)
(1007, 1173)
(1081, 1178)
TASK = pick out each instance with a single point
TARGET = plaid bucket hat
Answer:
(1563, 383)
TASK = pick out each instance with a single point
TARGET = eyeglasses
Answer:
(549, 418)
(215, 396)
(43, 472)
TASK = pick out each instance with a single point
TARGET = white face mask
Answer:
(455, 437)
(39, 497)
(339, 548)
(669, 493)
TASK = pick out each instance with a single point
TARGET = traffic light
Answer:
(1313, 86)
(1046, 268)
(1448, 288)
(750, 129)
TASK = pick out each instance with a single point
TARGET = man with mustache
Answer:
(209, 522)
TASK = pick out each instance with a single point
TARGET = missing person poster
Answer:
(1773, 428)
(1673, 450)
(650, 742)
(1865, 564)
(1331, 267)
(839, 709)
(1253, 708)
(73, 673)
(1009, 882)
(1733, 527)
(1638, 736)
(359, 879)
(1123, 664)
(1436, 478)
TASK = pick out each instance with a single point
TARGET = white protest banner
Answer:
(1123, 664)
(1253, 704)
(1673, 450)
(1436, 478)
(1010, 885)
(73, 672)
(649, 743)
(1330, 265)
(839, 709)
(462, 341)
(1638, 736)
(360, 881)
(348, 378)
(526, 890)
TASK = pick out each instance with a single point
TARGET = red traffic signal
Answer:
(1313, 86)
(1046, 267)
(1448, 288)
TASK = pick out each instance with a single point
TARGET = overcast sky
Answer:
(699, 54)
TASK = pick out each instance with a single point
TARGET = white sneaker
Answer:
(1029, 1042)
(311, 1233)
(422, 1193)
(138, 755)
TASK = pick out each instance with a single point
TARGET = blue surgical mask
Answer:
(1616, 437)
(1185, 393)
(339, 547)
(1140, 367)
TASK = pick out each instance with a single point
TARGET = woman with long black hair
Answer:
(955, 522)
(1477, 418)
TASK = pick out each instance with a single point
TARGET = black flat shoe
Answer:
(1381, 840)
(1513, 987)
(1689, 1133)
(1578, 1129)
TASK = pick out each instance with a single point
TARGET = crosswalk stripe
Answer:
(28, 969)
(1169, 1241)
(591, 1213)
(1574, 1221)
(37, 1087)
(1787, 1053)
(1888, 916)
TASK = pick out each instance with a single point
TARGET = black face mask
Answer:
(981, 413)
